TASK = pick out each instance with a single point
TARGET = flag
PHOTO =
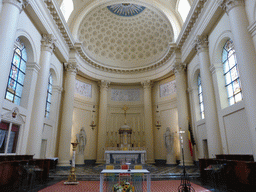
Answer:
(191, 139)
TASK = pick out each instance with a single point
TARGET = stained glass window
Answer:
(17, 73)
(200, 96)
(49, 96)
(231, 73)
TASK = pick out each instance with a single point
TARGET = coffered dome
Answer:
(125, 35)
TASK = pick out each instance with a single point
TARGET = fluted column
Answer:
(67, 114)
(148, 116)
(9, 17)
(102, 120)
(211, 117)
(182, 100)
(38, 112)
(245, 53)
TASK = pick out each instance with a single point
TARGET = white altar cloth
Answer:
(128, 156)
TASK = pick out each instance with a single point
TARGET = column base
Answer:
(187, 163)
(64, 164)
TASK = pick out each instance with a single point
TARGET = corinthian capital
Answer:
(48, 42)
(179, 67)
(146, 84)
(227, 5)
(71, 67)
(201, 43)
(20, 4)
(104, 84)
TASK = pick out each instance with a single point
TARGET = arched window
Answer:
(183, 9)
(49, 96)
(17, 73)
(66, 8)
(231, 73)
(200, 96)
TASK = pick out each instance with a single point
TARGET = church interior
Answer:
(163, 89)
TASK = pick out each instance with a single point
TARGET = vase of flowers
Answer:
(124, 186)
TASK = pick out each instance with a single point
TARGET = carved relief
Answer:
(227, 5)
(83, 89)
(48, 42)
(125, 94)
(201, 43)
(167, 89)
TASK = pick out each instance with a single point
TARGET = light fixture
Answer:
(158, 123)
(93, 125)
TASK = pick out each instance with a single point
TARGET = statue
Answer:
(168, 138)
(81, 139)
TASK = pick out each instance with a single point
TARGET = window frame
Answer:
(200, 95)
(229, 68)
(16, 98)
(49, 94)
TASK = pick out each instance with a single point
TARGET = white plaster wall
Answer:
(82, 117)
(167, 107)
(201, 135)
(237, 130)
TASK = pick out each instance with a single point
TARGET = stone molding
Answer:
(227, 5)
(48, 42)
(104, 84)
(56, 88)
(71, 67)
(20, 4)
(187, 28)
(146, 84)
(215, 67)
(201, 43)
(179, 67)
(252, 29)
(192, 89)
(33, 66)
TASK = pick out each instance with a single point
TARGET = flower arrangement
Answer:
(123, 187)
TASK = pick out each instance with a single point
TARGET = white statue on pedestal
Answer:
(81, 139)
(169, 144)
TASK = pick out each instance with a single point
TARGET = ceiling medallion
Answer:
(126, 9)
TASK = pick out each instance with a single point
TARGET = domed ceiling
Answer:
(125, 35)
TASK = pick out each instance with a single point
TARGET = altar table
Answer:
(125, 157)
(105, 172)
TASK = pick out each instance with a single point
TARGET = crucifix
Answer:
(125, 108)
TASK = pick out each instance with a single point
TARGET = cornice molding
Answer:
(201, 43)
(20, 4)
(227, 5)
(187, 27)
(48, 42)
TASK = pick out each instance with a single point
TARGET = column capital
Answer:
(179, 67)
(104, 84)
(146, 84)
(201, 43)
(48, 42)
(191, 89)
(227, 5)
(71, 67)
(20, 4)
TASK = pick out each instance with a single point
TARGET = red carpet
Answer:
(93, 186)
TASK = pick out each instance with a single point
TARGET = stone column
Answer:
(9, 17)
(102, 121)
(1, 3)
(38, 112)
(67, 114)
(245, 53)
(182, 102)
(148, 119)
(211, 117)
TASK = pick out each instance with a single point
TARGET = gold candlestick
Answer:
(72, 177)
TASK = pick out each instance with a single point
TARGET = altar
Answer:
(122, 157)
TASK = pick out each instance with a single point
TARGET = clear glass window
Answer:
(183, 9)
(8, 137)
(17, 73)
(49, 96)
(66, 8)
(231, 73)
(200, 96)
